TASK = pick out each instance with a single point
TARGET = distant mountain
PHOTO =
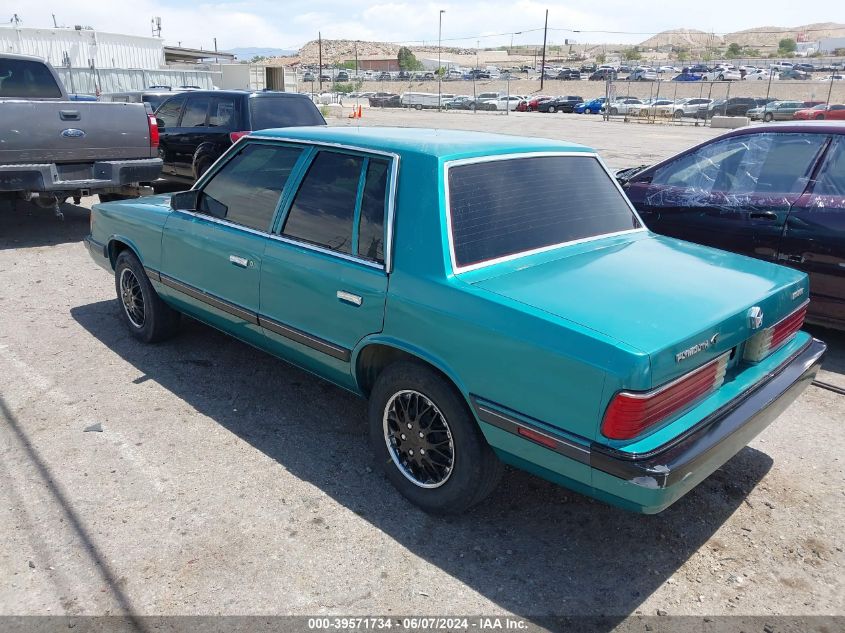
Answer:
(684, 38)
(771, 35)
(250, 52)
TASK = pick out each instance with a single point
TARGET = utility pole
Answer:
(320, 58)
(356, 59)
(439, 63)
(545, 33)
(55, 24)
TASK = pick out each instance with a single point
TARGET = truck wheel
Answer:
(418, 106)
(427, 441)
(149, 319)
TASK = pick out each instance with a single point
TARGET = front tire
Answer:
(552, 109)
(614, 111)
(427, 441)
(148, 318)
(768, 117)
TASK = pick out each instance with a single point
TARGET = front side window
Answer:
(196, 112)
(324, 207)
(506, 207)
(168, 113)
(222, 113)
(247, 189)
(748, 164)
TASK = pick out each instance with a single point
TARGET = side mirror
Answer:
(185, 200)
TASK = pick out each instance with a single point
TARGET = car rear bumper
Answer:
(651, 482)
(96, 176)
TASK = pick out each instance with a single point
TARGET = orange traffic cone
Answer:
(359, 111)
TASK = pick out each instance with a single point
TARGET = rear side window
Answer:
(222, 113)
(247, 189)
(831, 179)
(281, 111)
(27, 79)
(196, 112)
(168, 112)
(154, 100)
(506, 207)
(373, 204)
(324, 206)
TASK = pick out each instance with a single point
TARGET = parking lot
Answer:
(202, 476)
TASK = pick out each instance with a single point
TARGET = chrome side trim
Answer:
(212, 300)
(305, 339)
(511, 424)
(487, 159)
(326, 251)
(152, 273)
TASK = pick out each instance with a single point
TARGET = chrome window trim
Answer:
(325, 251)
(221, 221)
(447, 165)
(390, 211)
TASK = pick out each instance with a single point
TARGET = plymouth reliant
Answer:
(497, 299)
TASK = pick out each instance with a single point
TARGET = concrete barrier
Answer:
(729, 122)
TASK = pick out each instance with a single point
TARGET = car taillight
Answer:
(630, 413)
(234, 136)
(154, 137)
(767, 341)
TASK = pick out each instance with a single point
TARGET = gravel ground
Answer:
(202, 476)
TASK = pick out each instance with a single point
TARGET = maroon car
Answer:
(775, 192)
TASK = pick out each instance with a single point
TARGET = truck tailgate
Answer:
(72, 131)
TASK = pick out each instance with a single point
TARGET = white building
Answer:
(84, 48)
(829, 44)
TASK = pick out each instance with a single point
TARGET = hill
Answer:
(771, 35)
(683, 38)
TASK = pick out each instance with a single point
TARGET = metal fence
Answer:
(94, 81)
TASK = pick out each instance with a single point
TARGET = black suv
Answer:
(735, 106)
(195, 128)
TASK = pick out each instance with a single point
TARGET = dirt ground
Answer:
(202, 476)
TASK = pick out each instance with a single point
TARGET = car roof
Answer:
(811, 127)
(425, 141)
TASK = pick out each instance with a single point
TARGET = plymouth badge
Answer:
(695, 349)
(755, 317)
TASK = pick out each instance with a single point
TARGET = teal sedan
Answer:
(496, 299)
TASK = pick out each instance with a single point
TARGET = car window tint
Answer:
(195, 112)
(371, 225)
(753, 163)
(154, 100)
(831, 178)
(222, 113)
(247, 189)
(168, 112)
(268, 111)
(26, 79)
(324, 206)
(504, 207)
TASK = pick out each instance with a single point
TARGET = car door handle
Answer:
(793, 259)
(763, 215)
(69, 115)
(348, 297)
(237, 260)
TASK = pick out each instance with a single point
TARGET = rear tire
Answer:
(148, 318)
(614, 111)
(418, 106)
(552, 109)
(768, 117)
(412, 408)
(678, 115)
(201, 166)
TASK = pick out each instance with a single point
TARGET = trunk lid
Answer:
(680, 303)
(72, 132)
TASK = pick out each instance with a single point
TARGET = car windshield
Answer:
(510, 207)
(281, 111)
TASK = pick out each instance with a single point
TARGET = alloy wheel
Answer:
(418, 439)
(132, 298)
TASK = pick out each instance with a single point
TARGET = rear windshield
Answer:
(506, 207)
(270, 112)
(27, 79)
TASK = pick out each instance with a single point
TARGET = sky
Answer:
(288, 25)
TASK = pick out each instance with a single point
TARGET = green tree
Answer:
(787, 45)
(407, 60)
(601, 58)
(683, 56)
(734, 50)
(631, 54)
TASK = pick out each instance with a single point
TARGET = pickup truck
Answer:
(52, 148)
